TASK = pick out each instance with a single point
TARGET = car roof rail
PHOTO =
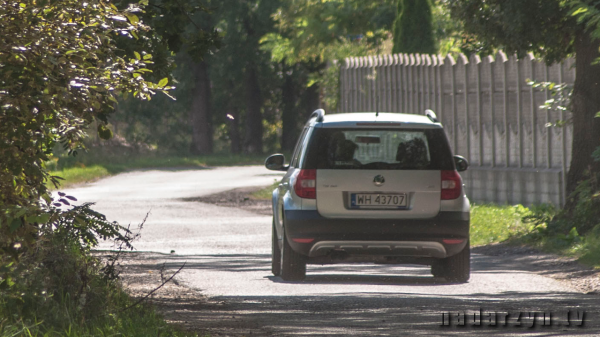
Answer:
(319, 113)
(431, 115)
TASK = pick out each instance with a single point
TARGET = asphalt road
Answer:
(227, 252)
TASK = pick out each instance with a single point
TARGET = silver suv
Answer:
(371, 187)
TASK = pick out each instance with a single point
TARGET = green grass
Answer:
(589, 250)
(76, 175)
(495, 223)
(265, 193)
(142, 320)
(94, 165)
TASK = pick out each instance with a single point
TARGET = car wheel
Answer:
(437, 269)
(457, 268)
(275, 253)
(293, 265)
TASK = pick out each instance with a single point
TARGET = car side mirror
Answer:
(461, 163)
(276, 162)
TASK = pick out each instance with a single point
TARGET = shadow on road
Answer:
(372, 314)
(365, 312)
(336, 273)
(366, 280)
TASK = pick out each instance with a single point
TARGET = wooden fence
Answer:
(490, 113)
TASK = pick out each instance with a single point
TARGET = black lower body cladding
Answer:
(310, 224)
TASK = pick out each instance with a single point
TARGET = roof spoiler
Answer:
(319, 113)
(431, 115)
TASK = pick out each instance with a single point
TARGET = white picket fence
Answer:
(490, 113)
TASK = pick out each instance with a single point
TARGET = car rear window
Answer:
(379, 149)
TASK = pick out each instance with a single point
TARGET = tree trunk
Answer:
(311, 101)
(233, 121)
(200, 113)
(254, 128)
(289, 113)
(586, 103)
(234, 130)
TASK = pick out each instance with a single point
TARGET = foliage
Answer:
(553, 29)
(589, 248)
(553, 232)
(448, 32)
(414, 28)
(61, 71)
(58, 263)
(535, 226)
(160, 123)
(544, 27)
(318, 35)
(397, 26)
(312, 30)
(81, 302)
(573, 232)
(182, 33)
(247, 85)
(561, 99)
(587, 13)
(586, 212)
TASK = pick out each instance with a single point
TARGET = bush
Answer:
(574, 230)
(55, 276)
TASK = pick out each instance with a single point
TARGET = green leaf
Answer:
(148, 57)
(137, 55)
(597, 115)
(15, 224)
(20, 213)
(104, 132)
(580, 10)
(42, 218)
(133, 19)
(7, 283)
(163, 82)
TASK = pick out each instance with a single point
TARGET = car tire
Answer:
(456, 268)
(275, 253)
(293, 265)
(437, 269)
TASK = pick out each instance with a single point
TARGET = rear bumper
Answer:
(377, 237)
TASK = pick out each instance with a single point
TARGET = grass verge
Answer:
(265, 193)
(141, 321)
(95, 165)
(497, 223)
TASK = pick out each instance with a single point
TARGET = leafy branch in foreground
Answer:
(560, 100)
(60, 71)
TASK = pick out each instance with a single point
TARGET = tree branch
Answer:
(153, 291)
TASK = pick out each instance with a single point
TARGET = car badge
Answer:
(379, 180)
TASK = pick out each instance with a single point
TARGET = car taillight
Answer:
(451, 185)
(306, 184)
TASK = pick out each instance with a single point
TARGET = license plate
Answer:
(378, 200)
